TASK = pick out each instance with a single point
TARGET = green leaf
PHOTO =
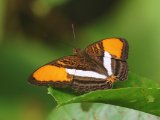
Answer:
(98, 111)
(143, 99)
(61, 96)
(136, 93)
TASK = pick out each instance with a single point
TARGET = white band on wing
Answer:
(82, 73)
(107, 62)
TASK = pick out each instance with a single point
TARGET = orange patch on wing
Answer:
(113, 46)
(51, 73)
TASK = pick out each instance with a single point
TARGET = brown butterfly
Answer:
(96, 67)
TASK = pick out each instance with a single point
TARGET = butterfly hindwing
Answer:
(120, 69)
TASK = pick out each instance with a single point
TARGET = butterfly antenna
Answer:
(75, 50)
(74, 36)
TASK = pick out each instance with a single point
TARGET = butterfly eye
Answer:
(76, 51)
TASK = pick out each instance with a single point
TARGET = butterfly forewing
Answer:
(111, 53)
(76, 71)
(111, 47)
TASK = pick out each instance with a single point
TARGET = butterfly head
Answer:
(78, 52)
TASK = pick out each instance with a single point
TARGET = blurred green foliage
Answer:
(1, 18)
(33, 33)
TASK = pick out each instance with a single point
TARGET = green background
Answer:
(35, 32)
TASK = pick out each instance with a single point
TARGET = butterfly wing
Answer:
(120, 69)
(75, 71)
(110, 50)
(116, 48)
(54, 73)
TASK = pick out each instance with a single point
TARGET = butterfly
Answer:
(96, 67)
